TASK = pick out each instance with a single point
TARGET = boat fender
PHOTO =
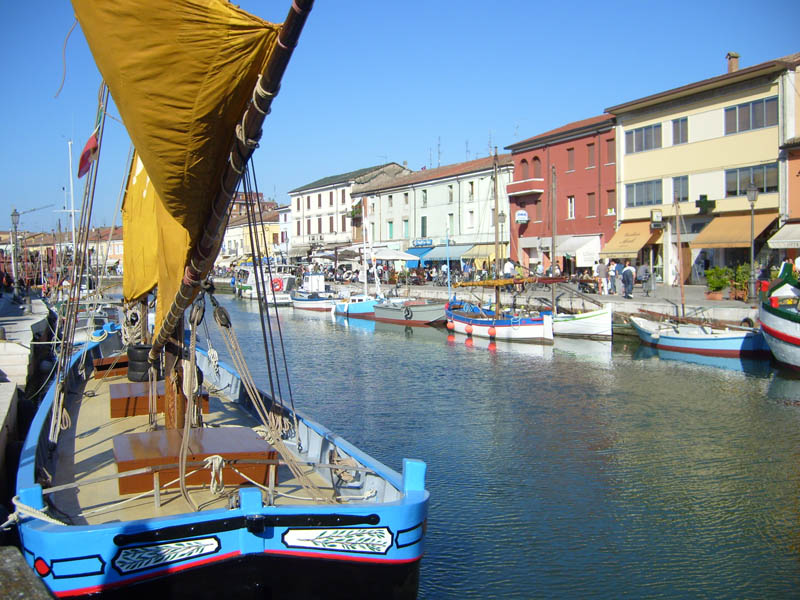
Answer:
(747, 322)
(277, 285)
(407, 313)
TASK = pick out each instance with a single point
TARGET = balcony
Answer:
(528, 186)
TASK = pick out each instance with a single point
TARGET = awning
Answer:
(421, 252)
(531, 242)
(481, 252)
(442, 252)
(629, 239)
(732, 231)
(585, 249)
(301, 250)
(788, 236)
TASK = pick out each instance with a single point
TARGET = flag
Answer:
(88, 155)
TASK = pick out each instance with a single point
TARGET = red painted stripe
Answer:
(131, 580)
(343, 557)
(779, 335)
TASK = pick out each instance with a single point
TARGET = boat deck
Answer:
(86, 457)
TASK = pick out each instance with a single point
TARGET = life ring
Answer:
(407, 313)
(347, 275)
(277, 285)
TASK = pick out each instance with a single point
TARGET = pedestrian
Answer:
(628, 277)
(602, 277)
(612, 277)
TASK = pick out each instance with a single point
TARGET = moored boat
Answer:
(469, 319)
(701, 339)
(780, 318)
(313, 294)
(356, 306)
(593, 324)
(277, 286)
(410, 311)
(129, 486)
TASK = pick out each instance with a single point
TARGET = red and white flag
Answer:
(88, 156)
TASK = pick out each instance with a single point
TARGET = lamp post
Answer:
(14, 270)
(752, 196)
(501, 219)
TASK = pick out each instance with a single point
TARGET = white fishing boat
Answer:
(313, 294)
(278, 286)
(780, 318)
(164, 487)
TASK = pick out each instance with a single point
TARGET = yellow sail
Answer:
(181, 74)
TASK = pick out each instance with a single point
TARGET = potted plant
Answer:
(739, 283)
(717, 279)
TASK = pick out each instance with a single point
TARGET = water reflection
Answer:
(751, 366)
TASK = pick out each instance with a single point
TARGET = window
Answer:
(611, 202)
(390, 229)
(590, 156)
(590, 205)
(424, 201)
(342, 196)
(298, 205)
(390, 200)
(471, 191)
(644, 138)
(308, 202)
(275, 238)
(537, 168)
(298, 227)
(644, 193)
(319, 200)
(344, 223)
(680, 189)
(372, 231)
(570, 159)
(405, 228)
(330, 224)
(308, 226)
(471, 219)
(570, 207)
(405, 199)
(765, 177)
(450, 223)
(539, 211)
(319, 224)
(330, 198)
(423, 227)
(523, 170)
(449, 194)
(751, 115)
(611, 151)
(680, 131)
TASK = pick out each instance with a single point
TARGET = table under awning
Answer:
(732, 231)
(629, 239)
(788, 236)
(454, 252)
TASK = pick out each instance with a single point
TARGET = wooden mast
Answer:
(248, 134)
(497, 265)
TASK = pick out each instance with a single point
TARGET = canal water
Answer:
(586, 469)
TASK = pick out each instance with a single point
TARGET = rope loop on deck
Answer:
(215, 463)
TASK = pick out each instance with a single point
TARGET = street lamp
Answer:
(501, 218)
(752, 196)
(14, 222)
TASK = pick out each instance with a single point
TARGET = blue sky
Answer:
(424, 81)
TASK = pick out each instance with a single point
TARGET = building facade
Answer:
(685, 160)
(447, 210)
(321, 211)
(564, 183)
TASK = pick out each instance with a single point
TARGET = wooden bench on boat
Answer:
(162, 447)
(131, 398)
(110, 366)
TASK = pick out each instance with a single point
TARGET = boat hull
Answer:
(356, 308)
(368, 544)
(312, 301)
(595, 324)
(781, 327)
(514, 329)
(414, 313)
(697, 339)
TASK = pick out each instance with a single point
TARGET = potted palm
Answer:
(717, 279)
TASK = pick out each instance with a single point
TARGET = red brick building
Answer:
(582, 155)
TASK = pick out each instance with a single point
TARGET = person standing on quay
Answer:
(612, 277)
(628, 277)
(602, 277)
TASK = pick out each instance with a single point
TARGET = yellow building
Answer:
(685, 160)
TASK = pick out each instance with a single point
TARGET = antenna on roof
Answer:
(466, 144)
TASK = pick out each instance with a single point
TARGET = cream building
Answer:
(706, 141)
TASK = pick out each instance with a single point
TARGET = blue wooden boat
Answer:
(701, 339)
(469, 319)
(357, 306)
(134, 478)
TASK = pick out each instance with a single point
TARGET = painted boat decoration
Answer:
(780, 318)
(409, 312)
(468, 319)
(137, 480)
(701, 339)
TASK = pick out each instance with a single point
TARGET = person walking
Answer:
(602, 277)
(612, 277)
(628, 278)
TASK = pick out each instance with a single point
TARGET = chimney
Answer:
(733, 62)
